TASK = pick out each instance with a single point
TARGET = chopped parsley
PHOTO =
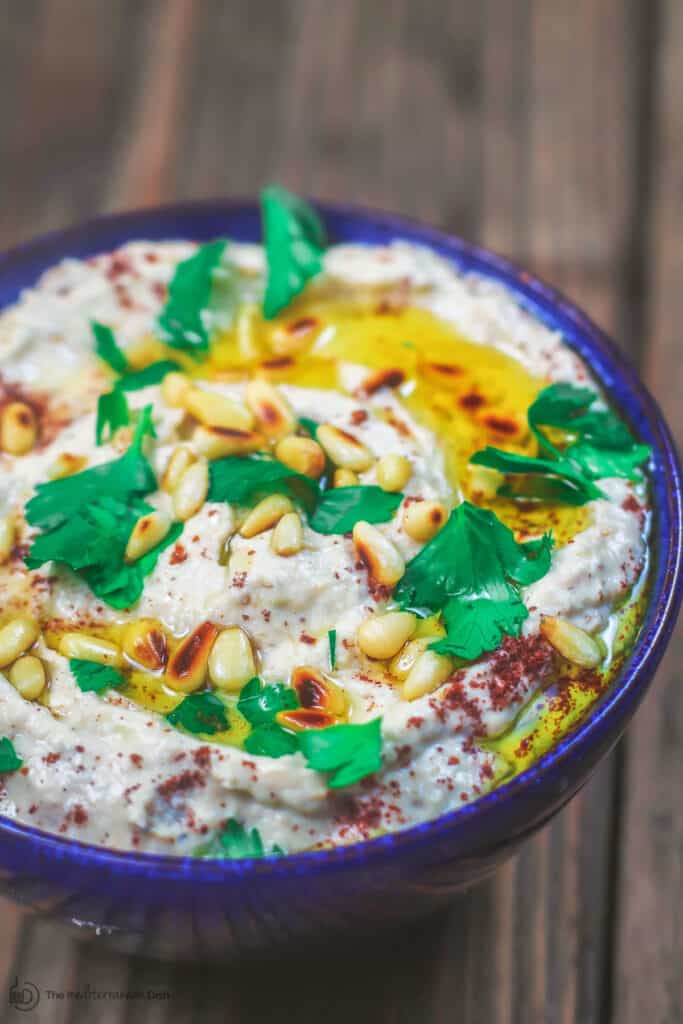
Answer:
(294, 240)
(129, 476)
(237, 479)
(135, 380)
(9, 759)
(271, 740)
(112, 413)
(200, 713)
(332, 641)
(600, 445)
(112, 407)
(233, 842)
(182, 322)
(91, 677)
(471, 572)
(259, 704)
(346, 753)
(86, 521)
(340, 509)
(107, 347)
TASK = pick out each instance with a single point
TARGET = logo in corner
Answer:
(24, 997)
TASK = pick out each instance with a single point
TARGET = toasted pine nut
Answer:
(89, 648)
(265, 515)
(383, 636)
(429, 671)
(231, 663)
(7, 537)
(145, 350)
(149, 531)
(316, 691)
(218, 442)
(345, 450)
(144, 643)
(484, 481)
(384, 562)
(66, 464)
(249, 341)
(216, 410)
(27, 676)
(302, 454)
(270, 408)
(18, 428)
(345, 478)
(422, 520)
(288, 536)
(187, 666)
(571, 642)
(405, 659)
(16, 636)
(305, 718)
(179, 460)
(174, 388)
(191, 490)
(393, 472)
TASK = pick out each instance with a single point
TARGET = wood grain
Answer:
(649, 926)
(515, 122)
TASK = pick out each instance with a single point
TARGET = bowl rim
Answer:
(541, 300)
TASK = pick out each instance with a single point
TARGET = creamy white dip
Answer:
(101, 768)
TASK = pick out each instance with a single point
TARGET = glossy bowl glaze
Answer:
(189, 908)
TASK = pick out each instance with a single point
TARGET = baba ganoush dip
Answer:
(299, 544)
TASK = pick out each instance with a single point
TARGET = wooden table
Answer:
(551, 130)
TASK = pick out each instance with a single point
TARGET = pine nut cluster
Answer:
(26, 671)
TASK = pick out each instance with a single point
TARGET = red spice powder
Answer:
(178, 555)
(180, 783)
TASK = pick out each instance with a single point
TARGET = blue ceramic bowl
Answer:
(183, 907)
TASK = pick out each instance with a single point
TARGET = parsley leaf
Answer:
(92, 542)
(233, 842)
(236, 479)
(87, 519)
(129, 476)
(560, 480)
(112, 413)
(181, 322)
(601, 446)
(107, 348)
(568, 407)
(260, 704)
(147, 376)
(294, 240)
(200, 713)
(120, 584)
(271, 740)
(471, 570)
(340, 509)
(348, 752)
(92, 677)
(9, 759)
(332, 641)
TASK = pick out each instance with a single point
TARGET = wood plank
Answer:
(489, 119)
(649, 954)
